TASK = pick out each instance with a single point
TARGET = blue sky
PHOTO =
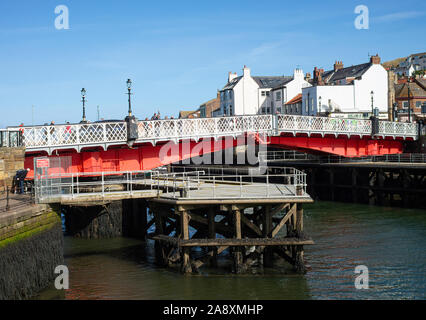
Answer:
(178, 53)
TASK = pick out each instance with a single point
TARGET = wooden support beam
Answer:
(232, 242)
(283, 221)
(149, 225)
(251, 225)
(208, 257)
(283, 254)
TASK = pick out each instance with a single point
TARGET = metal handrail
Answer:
(174, 185)
(294, 155)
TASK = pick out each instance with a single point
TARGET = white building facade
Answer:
(248, 94)
(288, 91)
(348, 92)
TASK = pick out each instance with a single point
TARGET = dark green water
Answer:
(389, 241)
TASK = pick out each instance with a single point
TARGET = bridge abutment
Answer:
(115, 219)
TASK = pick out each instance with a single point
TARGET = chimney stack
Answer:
(246, 71)
(338, 65)
(307, 76)
(318, 76)
(231, 76)
(375, 59)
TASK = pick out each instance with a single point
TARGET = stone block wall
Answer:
(11, 160)
(31, 246)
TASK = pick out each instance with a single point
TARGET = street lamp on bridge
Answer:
(372, 102)
(129, 86)
(408, 98)
(83, 95)
(132, 125)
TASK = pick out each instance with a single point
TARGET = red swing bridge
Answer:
(132, 145)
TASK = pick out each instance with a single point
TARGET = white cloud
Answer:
(399, 16)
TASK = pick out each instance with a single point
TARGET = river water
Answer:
(389, 241)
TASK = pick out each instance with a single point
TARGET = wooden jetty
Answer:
(253, 228)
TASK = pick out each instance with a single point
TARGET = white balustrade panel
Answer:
(76, 134)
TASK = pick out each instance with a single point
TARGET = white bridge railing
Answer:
(51, 137)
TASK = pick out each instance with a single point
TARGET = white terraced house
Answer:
(350, 92)
(249, 95)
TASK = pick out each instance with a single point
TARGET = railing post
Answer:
(72, 185)
(103, 185)
(214, 187)
(131, 183)
(267, 185)
(241, 186)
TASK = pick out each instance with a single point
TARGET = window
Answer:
(230, 111)
(418, 104)
(268, 110)
(267, 93)
(297, 108)
(263, 110)
(405, 104)
(203, 112)
(278, 96)
(279, 109)
(263, 93)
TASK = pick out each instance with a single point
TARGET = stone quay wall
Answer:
(31, 246)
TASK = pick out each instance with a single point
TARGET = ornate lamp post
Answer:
(83, 95)
(372, 102)
(132, 126)
(129, 86)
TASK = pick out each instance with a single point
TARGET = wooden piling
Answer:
(237, 251)
(299, 264)
(267, 229)
(186, 263)
(212, 234)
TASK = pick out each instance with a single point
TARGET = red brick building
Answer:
(410, 93)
